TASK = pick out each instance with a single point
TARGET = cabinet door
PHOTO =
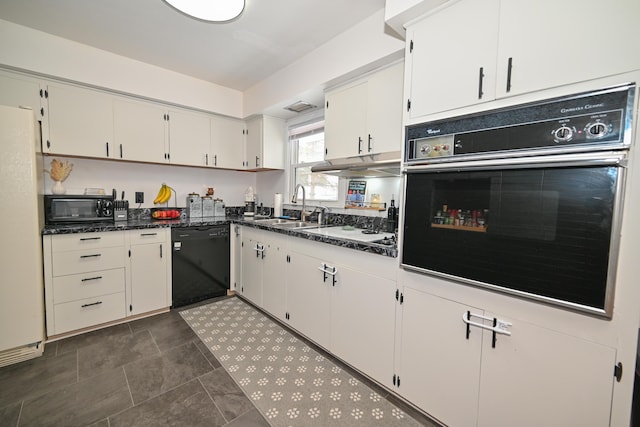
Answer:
(189, 138)
(254, 143)
(251, 266)
(446, 52)
(345, 122)
(362, 322)
(80, 122)
(548, 47)
(538, 377)
(139, 129)
(20, 92)
(435, 355)
(308, 298)
(149, 277)
(384, 110)
(274, 276)
(227, 143)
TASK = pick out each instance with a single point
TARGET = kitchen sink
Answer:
(287, 223)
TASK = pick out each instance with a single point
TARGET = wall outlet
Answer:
(139, 197)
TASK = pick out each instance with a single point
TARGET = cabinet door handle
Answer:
(369, 144)
(480, 81)
(327, 269)
(206, 159)
(215, 160)
(120, 150)
(257, 161)
(509, 67)
(93, 303)
(107, 144)
(148, 234)
(87, 279)
(160, 250)
(90, 256)
(82, 239)
(359, 145)
(497, 326)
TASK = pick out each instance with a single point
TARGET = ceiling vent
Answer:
(299, 107)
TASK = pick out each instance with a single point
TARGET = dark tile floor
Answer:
(149, 372)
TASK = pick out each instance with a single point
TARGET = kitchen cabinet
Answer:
(265, 141)
(365, 116)
(149, 269)
(499, 49)
(85, 280)
(140, 131)
(227, 143)
(252, 255)
(20, 91)
(80, 122)
(508, 383)
(189, 138)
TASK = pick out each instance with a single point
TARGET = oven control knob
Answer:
(563, 134)
(596, 130)
(425, 149)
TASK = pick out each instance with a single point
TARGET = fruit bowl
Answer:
(165, 213)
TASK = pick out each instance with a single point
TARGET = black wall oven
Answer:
(525, 200)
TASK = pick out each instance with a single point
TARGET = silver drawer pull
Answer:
(90, 256)
(90, 238)
(91, 278)
(93, 303)
(148, 234)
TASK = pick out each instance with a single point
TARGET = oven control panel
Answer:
(579, 123)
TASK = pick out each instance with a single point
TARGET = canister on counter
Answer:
(207, 206)
(194, 206)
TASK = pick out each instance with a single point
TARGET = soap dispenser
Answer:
(392, 216)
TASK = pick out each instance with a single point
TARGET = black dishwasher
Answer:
(200, 258)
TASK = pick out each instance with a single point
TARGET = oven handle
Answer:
(587, 159)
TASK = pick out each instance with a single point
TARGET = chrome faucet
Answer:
(294, 199)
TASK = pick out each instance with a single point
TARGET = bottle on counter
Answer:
(392, 216)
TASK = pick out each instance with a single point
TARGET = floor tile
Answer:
(167, 329)
(152, 376)
(80, 404)
(114, 351)
(186, 405)
(9, 415)
(73, 343)
(36, 377)
(207, 353)
(251, 418)
(225, 392)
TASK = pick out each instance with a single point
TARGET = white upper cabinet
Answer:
(451, 58)
(365, 117)
(473, 51)
(80, 122)
(189, 138)
(227, 143)
(553, 43)
(19, 91)
(265, 141)
(139, 131)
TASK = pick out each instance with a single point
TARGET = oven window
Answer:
(66, 208)
(544, 231)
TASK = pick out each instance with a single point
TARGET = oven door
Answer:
(541, 228)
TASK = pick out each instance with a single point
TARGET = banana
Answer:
(161, 195)
(167, 194)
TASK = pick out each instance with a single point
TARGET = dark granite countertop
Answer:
(380, 249)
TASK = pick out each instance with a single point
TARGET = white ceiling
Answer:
(269, 35)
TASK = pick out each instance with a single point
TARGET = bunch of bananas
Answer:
(163, 195)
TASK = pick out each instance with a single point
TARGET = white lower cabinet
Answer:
(534, 376)
(252, 252)
(97, 278)
(149, 253)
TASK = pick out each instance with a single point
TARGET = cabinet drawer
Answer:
(88, 312)
(152, 235)
(74, 242)
(73, 262)
(87, 285)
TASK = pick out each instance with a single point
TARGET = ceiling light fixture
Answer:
(299, 106)
(209, 10)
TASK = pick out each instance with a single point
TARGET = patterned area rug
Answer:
(288, 381)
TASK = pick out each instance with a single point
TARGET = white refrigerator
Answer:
(22, 330)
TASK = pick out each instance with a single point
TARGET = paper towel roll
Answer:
(277, 205)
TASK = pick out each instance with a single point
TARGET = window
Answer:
(307, 149)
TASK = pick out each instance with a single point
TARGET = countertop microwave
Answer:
(61, 209)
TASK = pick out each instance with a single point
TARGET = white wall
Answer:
(132, 177)
(35, 51)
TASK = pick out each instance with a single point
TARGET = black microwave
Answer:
(61, 209)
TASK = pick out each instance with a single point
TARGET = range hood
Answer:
(366, 166)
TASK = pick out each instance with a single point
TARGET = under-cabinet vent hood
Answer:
(366, 166)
